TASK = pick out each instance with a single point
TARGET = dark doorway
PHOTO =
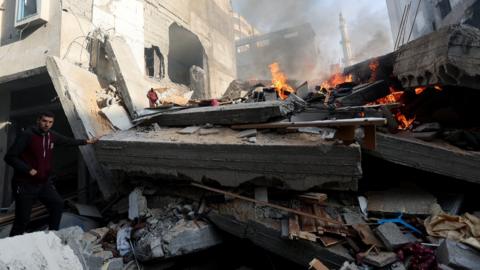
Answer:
(185, 51)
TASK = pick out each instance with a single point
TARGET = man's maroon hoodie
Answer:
(33, 149)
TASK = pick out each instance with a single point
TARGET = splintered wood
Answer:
(327, 230)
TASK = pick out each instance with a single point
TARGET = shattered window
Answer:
(243, 48)
(26, 8)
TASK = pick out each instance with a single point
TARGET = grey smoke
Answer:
(367, 20)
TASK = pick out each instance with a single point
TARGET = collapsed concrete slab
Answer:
(293, 161)
(449, 56)
(76, 89)
(131, 81)
(449, 160)
(243, 113)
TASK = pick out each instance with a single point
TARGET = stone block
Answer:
(457, 255)
(391, 236)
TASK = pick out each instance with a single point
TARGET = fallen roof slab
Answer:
(76, 89)
(132, 84)
(437, 157)
(292, 161)
(449, 56)
(242, 113)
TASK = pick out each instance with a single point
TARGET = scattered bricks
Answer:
(457, 255)
(381, 259)
(391, 236)
(247, 133)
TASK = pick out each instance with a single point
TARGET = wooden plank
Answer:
(364, 94)
(293, 227)
(307, 224)
(317, 265)
(322, 123)
(313, 197)
(286, 209)
(76, 89)
(370, 139)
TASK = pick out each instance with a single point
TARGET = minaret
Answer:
(347, 50)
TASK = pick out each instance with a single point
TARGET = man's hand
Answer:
(33, 172)
(92, 140)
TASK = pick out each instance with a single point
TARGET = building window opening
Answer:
(185, 51)
(154, 63)
(26, 9)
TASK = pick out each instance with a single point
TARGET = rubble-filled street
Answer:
(240, 135)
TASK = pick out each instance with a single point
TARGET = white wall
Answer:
(124, 18)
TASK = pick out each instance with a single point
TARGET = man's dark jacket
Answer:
(33, 149)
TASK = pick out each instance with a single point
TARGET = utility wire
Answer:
(414, 19)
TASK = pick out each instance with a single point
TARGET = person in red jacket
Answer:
(31, 157)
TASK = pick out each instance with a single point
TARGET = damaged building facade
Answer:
(294, 49)
(171, 43)
(410, 20)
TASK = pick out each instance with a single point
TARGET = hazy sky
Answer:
(367, 21)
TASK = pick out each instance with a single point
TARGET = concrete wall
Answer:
(124, 18)
(210, 21)
(64, 35)
(36, 42)
(142, 23)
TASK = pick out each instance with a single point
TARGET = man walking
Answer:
(31, 156)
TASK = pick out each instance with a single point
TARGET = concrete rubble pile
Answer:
(285, 162)
(163, 228)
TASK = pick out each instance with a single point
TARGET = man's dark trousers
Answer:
(26, 194)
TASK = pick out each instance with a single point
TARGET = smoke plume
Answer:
(367, 20)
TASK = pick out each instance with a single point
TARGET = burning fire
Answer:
(420, 90)
(279, 81)
(395, 96)
(373, 68)
(335, 80)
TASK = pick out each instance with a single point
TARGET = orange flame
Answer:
(335, 80)
(395, 96)
(279, 81)
(373, 65)
(420, 90)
